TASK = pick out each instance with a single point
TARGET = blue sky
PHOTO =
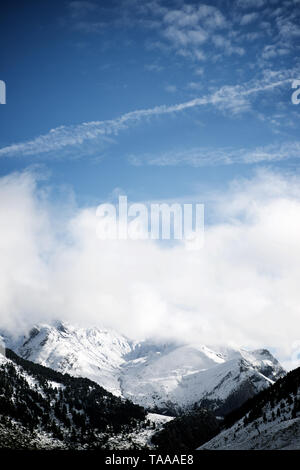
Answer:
(68, 63)
(158, 100)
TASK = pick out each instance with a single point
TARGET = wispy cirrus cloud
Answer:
(281, 23)
(233, 99)
(203, 156)
(204, 34)
(190, 29)
(180, 27)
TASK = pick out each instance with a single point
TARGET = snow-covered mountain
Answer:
(167, 376)
(92, 353)
(270, 421)
(183, 375)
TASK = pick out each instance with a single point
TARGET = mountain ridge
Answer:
(159, 376)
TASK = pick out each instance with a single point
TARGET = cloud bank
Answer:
(241, 288)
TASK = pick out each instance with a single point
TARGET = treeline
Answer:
(187, 432)
(74, 410)
(286, 388)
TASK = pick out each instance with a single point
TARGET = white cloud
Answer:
(288, 27)
(252, 36)
(270, 51)
(185, 38)
(241, 288)
(248, 18)
(189, 27)
(190, 16)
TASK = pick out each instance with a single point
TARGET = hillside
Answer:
(41, 408)
(270, 420)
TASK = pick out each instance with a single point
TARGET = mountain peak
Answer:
(158, 375)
